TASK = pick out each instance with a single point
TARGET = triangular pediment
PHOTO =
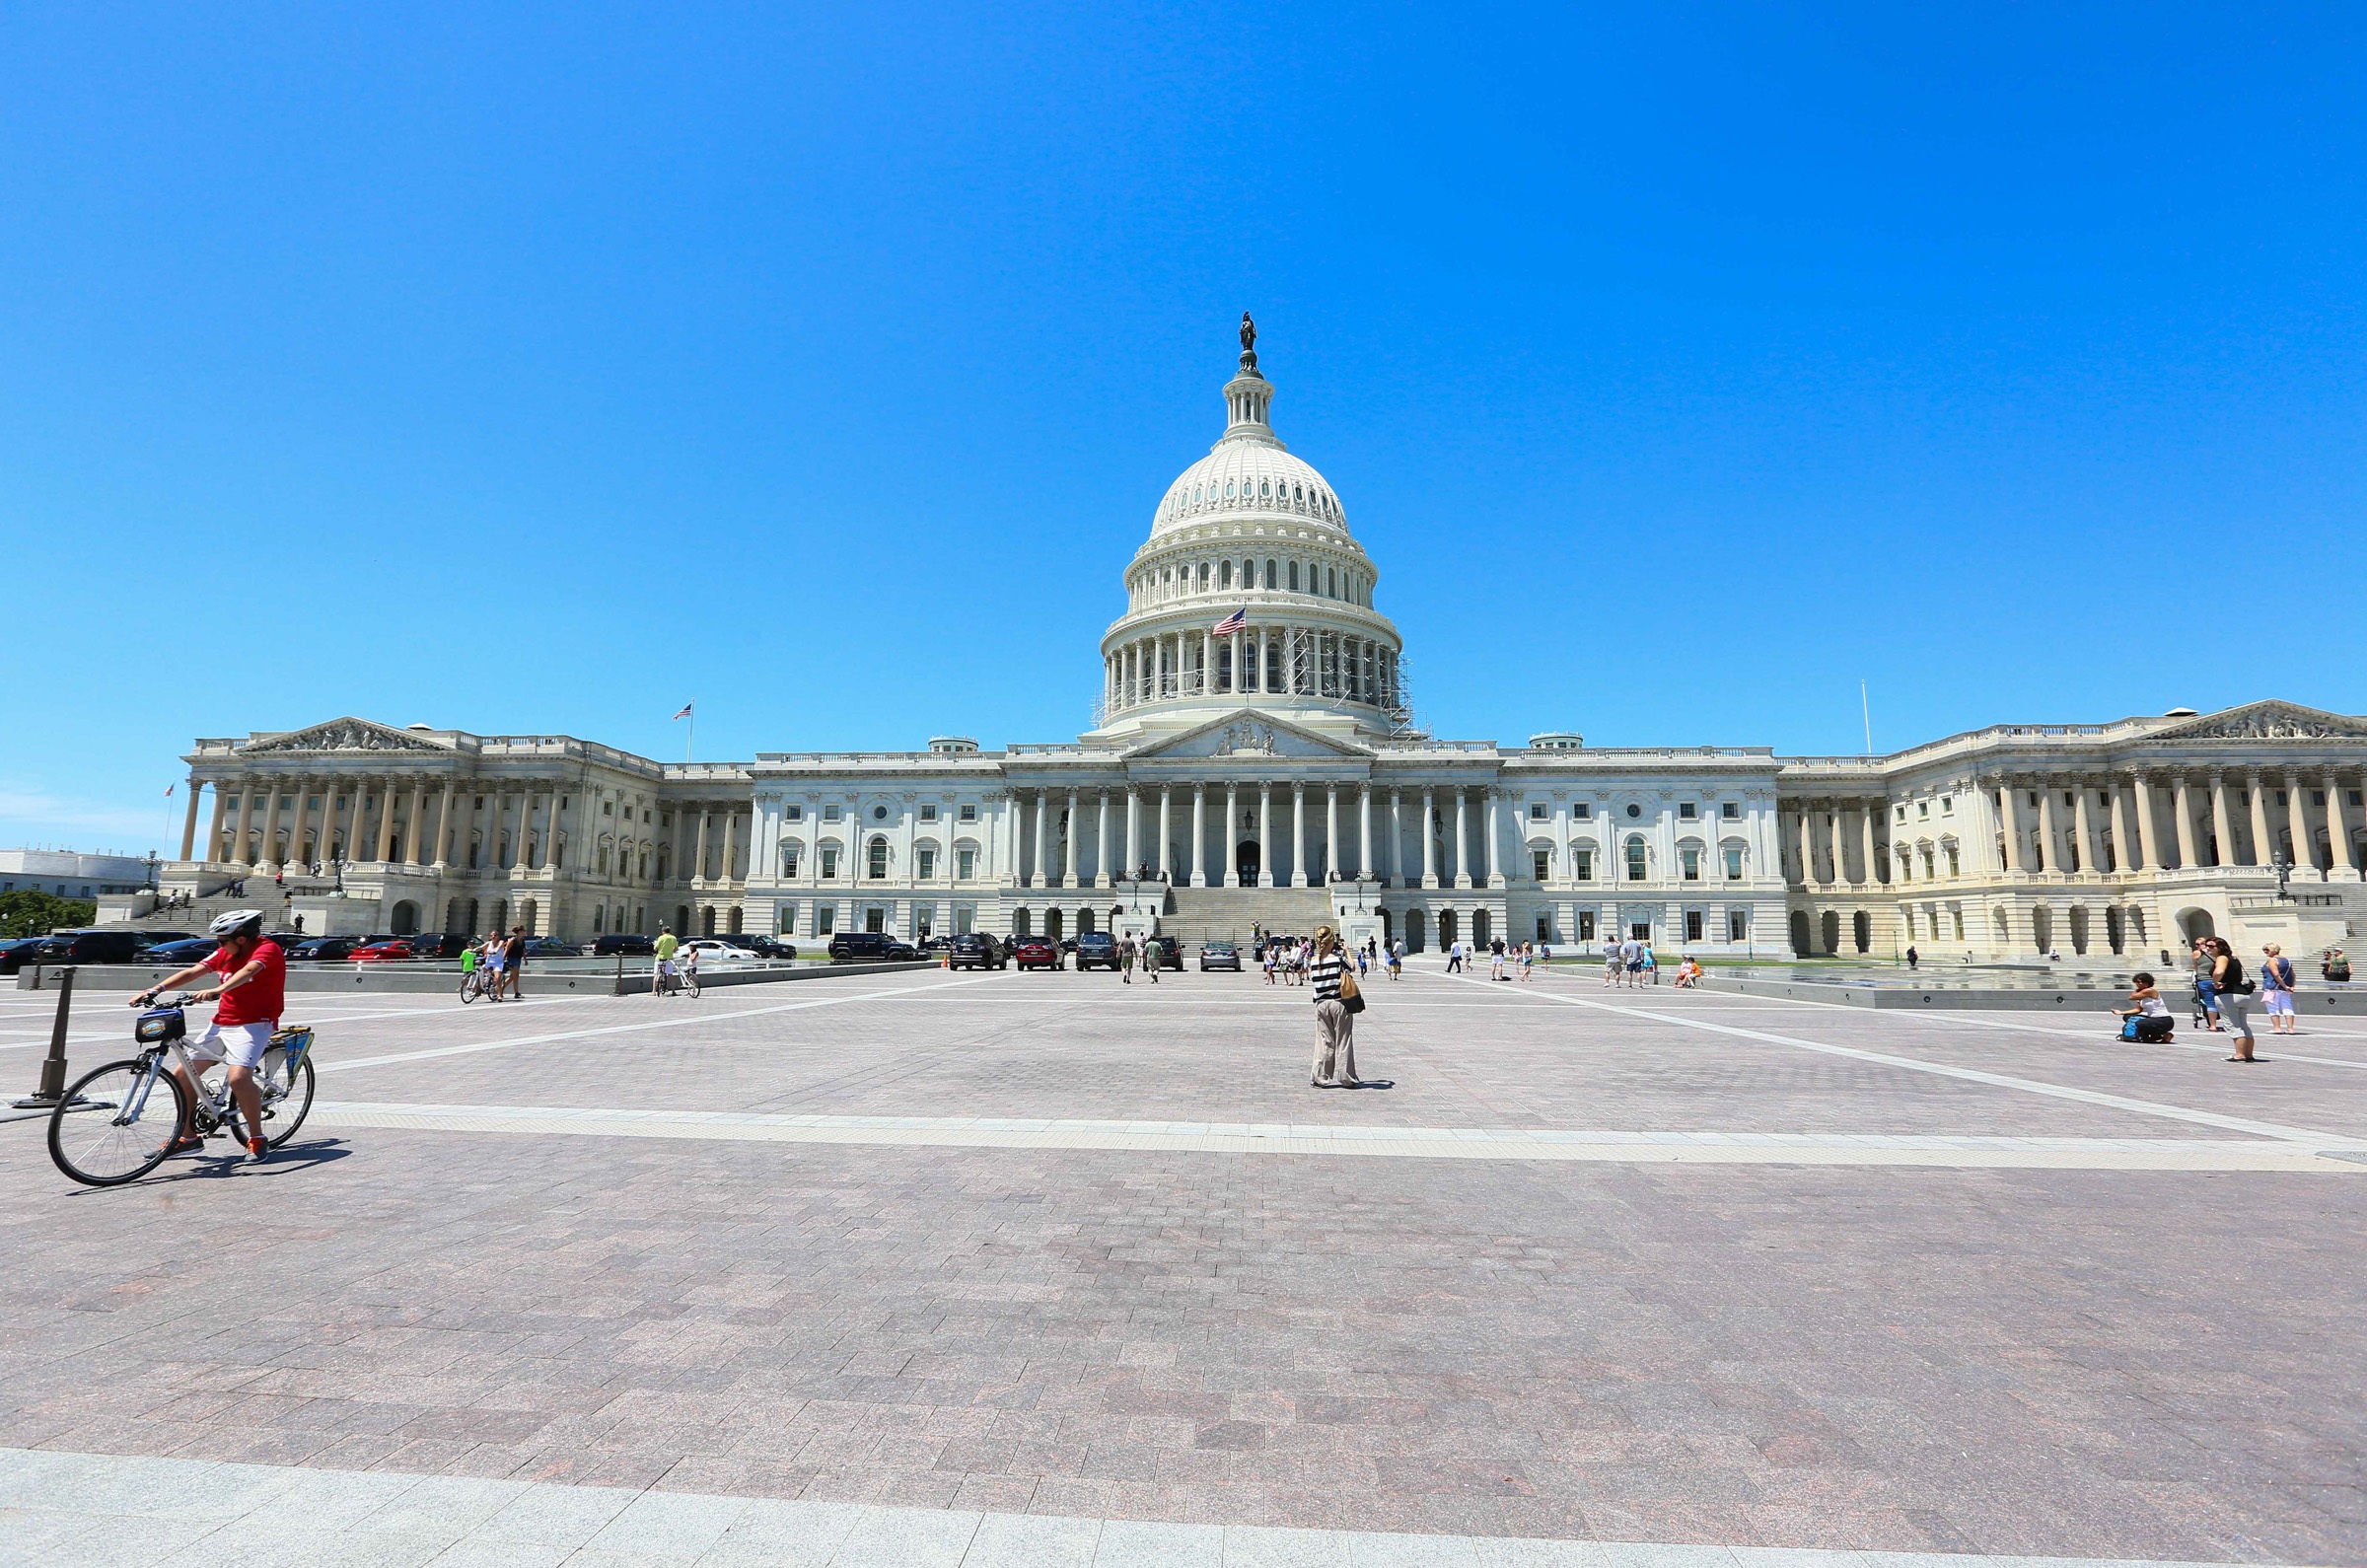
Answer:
(1249, 733)
(345, 735)
(2266, 721)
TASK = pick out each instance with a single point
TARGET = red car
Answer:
(396, 952)
(1036, 953)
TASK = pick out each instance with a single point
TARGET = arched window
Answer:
(877, 868)
(1639, 866)
(1330, 582)
(1224, 575)
(1272, 579)
(1294, 577)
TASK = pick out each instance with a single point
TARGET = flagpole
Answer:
(692, 740)
(1866, 709)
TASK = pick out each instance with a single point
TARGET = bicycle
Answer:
(473, 984)
(108, 1129)
(686, 981)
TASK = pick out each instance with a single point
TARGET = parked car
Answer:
(323, 950)
(1166, 952)
(15, 952)
(180, 954)
(1096, 950)
(1036, 953)
(631, 944)
(398, 951)
(436, 944)
(975, 949)
(90, 946)
(551, 947)
(930, 947)
(1219, 956)
(716, 952)
(869, 947)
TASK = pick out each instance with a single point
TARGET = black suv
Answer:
(869, 947)
(631, 944)
(975, 949)
(323, 950)
(1096, 950)
(1164, 952)
(88, 947)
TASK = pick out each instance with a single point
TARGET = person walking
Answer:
(2276, 989)
(1334, 1024)
(1495, 959)
(1454, 956)
(1153, 950)
(1632, 961)
(2235, 996)
(1613, 966)
(1126, 961)
(1913, 957)
(512, 960)
(1396, 954)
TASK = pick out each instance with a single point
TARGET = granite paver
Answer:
(2080, 1363)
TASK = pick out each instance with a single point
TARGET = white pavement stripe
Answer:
(1356, 1141)
(687, 1016)
(2032, 1086)
(98, 1509)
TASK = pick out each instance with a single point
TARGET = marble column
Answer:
(1267, 875)
(731, 843)
(699, 850)
(385, 822)
(2189, 856)
(214, 845)
(443, 853)
(2297, 824)
(2140, 848)
(1199, 830)
(1397, 838)
(551, 835)
(188, 820)
(1463, 839)
(2222, 821)
(2010, 817)
(1230, 839)
(1101, 876)
(2050, 856)
(414, 851)
(2120, 849)
(295, 856)
(1167, 832)
(1429, 838)
(240, 852)
(2264, 842)
(1835, 827)
(1298, 836)
(271, 855)
(2338, 822)
(1364, 831)
(1331, 831)
(1495, 849)
(1131, 862)
(2082, 824)
(1069, 851)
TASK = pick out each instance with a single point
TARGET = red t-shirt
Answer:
(261, 999)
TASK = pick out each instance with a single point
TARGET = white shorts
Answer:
(2277, 1001)
(239, 1044)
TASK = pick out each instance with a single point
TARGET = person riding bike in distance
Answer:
(250, 994)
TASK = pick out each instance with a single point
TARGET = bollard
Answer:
(53, 1066)
(619, 991)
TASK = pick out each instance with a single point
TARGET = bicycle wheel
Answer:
(107, 1131)
(286, 1104)
(468, 988)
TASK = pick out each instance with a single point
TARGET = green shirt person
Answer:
(666, 942)
(469, 959)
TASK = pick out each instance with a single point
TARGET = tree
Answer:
(30, 913)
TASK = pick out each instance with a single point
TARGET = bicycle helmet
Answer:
(236, 923)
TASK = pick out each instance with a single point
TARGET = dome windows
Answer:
(1227, 489)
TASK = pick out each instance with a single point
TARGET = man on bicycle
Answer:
(250, 994)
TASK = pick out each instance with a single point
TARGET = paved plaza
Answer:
(986, 1268)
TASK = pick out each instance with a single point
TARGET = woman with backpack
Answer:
(2234, 992)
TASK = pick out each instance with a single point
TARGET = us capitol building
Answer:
(1255, 763)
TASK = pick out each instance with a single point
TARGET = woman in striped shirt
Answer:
(1334, 1024)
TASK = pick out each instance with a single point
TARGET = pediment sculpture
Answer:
(343, 735)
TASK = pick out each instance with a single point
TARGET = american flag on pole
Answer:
(1232, 623)
(685, 713)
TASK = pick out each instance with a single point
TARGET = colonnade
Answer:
(2217, 816)
(1304, 661)
(1819, 835)
(1347, 829)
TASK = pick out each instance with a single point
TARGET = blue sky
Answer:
(1680, 366)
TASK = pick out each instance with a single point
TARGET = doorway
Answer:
(1246, 862)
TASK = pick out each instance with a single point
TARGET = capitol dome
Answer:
(1251, 591)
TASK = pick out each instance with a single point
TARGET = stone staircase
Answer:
(1197, 914)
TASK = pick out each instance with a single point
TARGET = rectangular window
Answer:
(1582, 864)
(1642, 930)
(970, 814)
(1952, 871)
(1957, 916)
(829, 813)
(1901, 812)
(927, 864)
(792, 814)
(928, 813)
(1738, 925)
(966, 864)
(1585, 925)
(830, 864)
(1537, 811)
(1583, 811)
(1947, 806)
(1543, 860)
(1693, 925)
(1687, 812)
(1733, 863)
(826, 919)
(789, 865)
(788, 920)
(1922, 809)
(1690, 859)
(1732, 811)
